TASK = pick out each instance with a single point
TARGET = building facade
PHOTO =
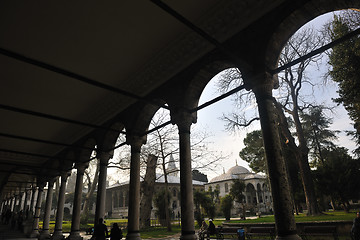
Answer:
(117, 195)
(257, 193)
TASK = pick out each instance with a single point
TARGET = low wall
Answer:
(342, 227)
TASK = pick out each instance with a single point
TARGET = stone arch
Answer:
(259, 192)
(190, 85)
(121, 199)
(116, 200)
(84, 153)
(250, 194)
(137, 118)
(296, 20)
(106, 140)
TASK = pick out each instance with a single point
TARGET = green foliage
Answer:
(159, 202)
(345, 61)
(317, 133)
(339, 176)
(254, 152)
(237, 189)
(204, 201)
(226, 204)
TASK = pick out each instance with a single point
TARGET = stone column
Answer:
(35, 232)
(2, 206)
(280, 190)
(25, 201)
(183, 119)
(75, 221)
(17, 203)
(12, 203)
(101, 191)
(45, 234)
(32, 203)
(134, 188)
(58, 234)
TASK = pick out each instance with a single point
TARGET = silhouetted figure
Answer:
(100, 230)
(203, 230)
(116, 233)
(355, 229)
(211, 228)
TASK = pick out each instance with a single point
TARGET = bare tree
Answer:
(290, 97)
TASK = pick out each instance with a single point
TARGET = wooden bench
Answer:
(223, 233)
(229, 233)
(261, 231)
(310, 231)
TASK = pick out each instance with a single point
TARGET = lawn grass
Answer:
(326, 216)
(159, 232)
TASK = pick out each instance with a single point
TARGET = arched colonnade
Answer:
(256, 57)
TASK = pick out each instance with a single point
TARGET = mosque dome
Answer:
(236, 170)
(232, 173)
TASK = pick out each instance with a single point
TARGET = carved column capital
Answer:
(104, 157)
(183, 119)
(135, 141)
(81, 167)
(64, 176)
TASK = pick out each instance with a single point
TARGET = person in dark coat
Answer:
(100, 230)
(355, 229)
(211, 228)
(116, 233)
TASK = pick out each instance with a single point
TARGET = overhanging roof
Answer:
(48, 48)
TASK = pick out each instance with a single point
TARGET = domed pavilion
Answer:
(257, 192)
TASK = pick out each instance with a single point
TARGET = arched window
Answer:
(116, 200)
(226, 187)
(127, 199)
(174, 205)
(174, 192)
(121, 199)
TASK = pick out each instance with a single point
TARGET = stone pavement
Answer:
(6, 233)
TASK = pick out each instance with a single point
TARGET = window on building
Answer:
(121, 199)
(174, 192)
(226, 187)
(174, 205)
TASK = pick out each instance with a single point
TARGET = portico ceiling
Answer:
(48, 48)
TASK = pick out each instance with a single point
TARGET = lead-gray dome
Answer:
(236, 170)
(232, 173)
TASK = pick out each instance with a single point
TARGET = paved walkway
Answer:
(6, 233)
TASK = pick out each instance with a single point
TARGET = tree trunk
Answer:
(167, 215)
(301, 152)
(85, 210)
(305, 171)
(147, 189)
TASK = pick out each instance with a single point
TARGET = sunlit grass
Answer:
(159, 232)
(326, 216)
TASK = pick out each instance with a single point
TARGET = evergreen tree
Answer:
(345, 61)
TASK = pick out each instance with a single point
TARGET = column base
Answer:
(74, 236)
(188, 237)
(133, 236)
(288, 237)
(57, 236)
(34, 234)
(44, 235)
